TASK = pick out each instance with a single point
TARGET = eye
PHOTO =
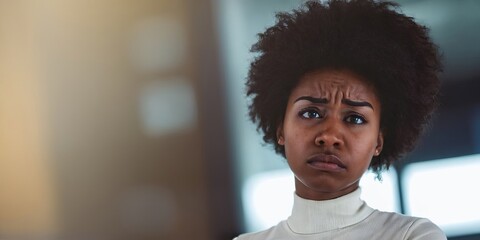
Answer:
(355, 119)
(309, 114)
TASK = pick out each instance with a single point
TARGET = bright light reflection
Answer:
(444, 192)
(268, 196)
(382, 195)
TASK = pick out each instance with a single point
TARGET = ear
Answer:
(280, 137)
(379, 147)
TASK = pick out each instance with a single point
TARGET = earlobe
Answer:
(379, 147)
(280, 138)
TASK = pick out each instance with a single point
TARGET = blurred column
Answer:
(27, 194)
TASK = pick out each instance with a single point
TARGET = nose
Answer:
(329, 135)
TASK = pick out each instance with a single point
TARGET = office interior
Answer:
(127, 120)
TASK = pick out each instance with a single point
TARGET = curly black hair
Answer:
(371, 38)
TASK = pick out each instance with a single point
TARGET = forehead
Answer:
(324, 83)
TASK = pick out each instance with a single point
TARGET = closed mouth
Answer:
(326, 162)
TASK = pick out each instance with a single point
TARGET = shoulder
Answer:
(412, 228)
(261, 235)
(275, 232)
(423, 228)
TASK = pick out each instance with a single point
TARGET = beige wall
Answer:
(27, 194)
(99, 133)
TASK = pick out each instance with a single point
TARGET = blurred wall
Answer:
(27, 194)
(100, 135)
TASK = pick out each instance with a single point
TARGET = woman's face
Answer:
(331, 131)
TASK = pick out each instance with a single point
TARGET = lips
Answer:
(326, 162)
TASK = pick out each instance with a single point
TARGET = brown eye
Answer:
(355, 119)
(309, 114)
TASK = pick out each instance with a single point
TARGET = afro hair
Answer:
(371, 38)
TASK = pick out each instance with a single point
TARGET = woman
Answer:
(338, 88)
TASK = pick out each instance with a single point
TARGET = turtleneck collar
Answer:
(309, 216)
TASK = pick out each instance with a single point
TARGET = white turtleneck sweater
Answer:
(346, 217)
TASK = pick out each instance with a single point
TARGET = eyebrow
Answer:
(312, 99)
(344, 101)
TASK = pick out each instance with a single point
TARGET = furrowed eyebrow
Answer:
(344, 101)
(312, 99)
(357, 103)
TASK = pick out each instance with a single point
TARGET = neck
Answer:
(320, 194)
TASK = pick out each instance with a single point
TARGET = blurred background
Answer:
(127, 120)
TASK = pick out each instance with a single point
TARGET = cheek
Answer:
(295, 144)
(297, 138)
(364, 149)
(361, 139)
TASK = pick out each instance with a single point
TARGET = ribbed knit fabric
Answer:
(328, 215)
(346, 217)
